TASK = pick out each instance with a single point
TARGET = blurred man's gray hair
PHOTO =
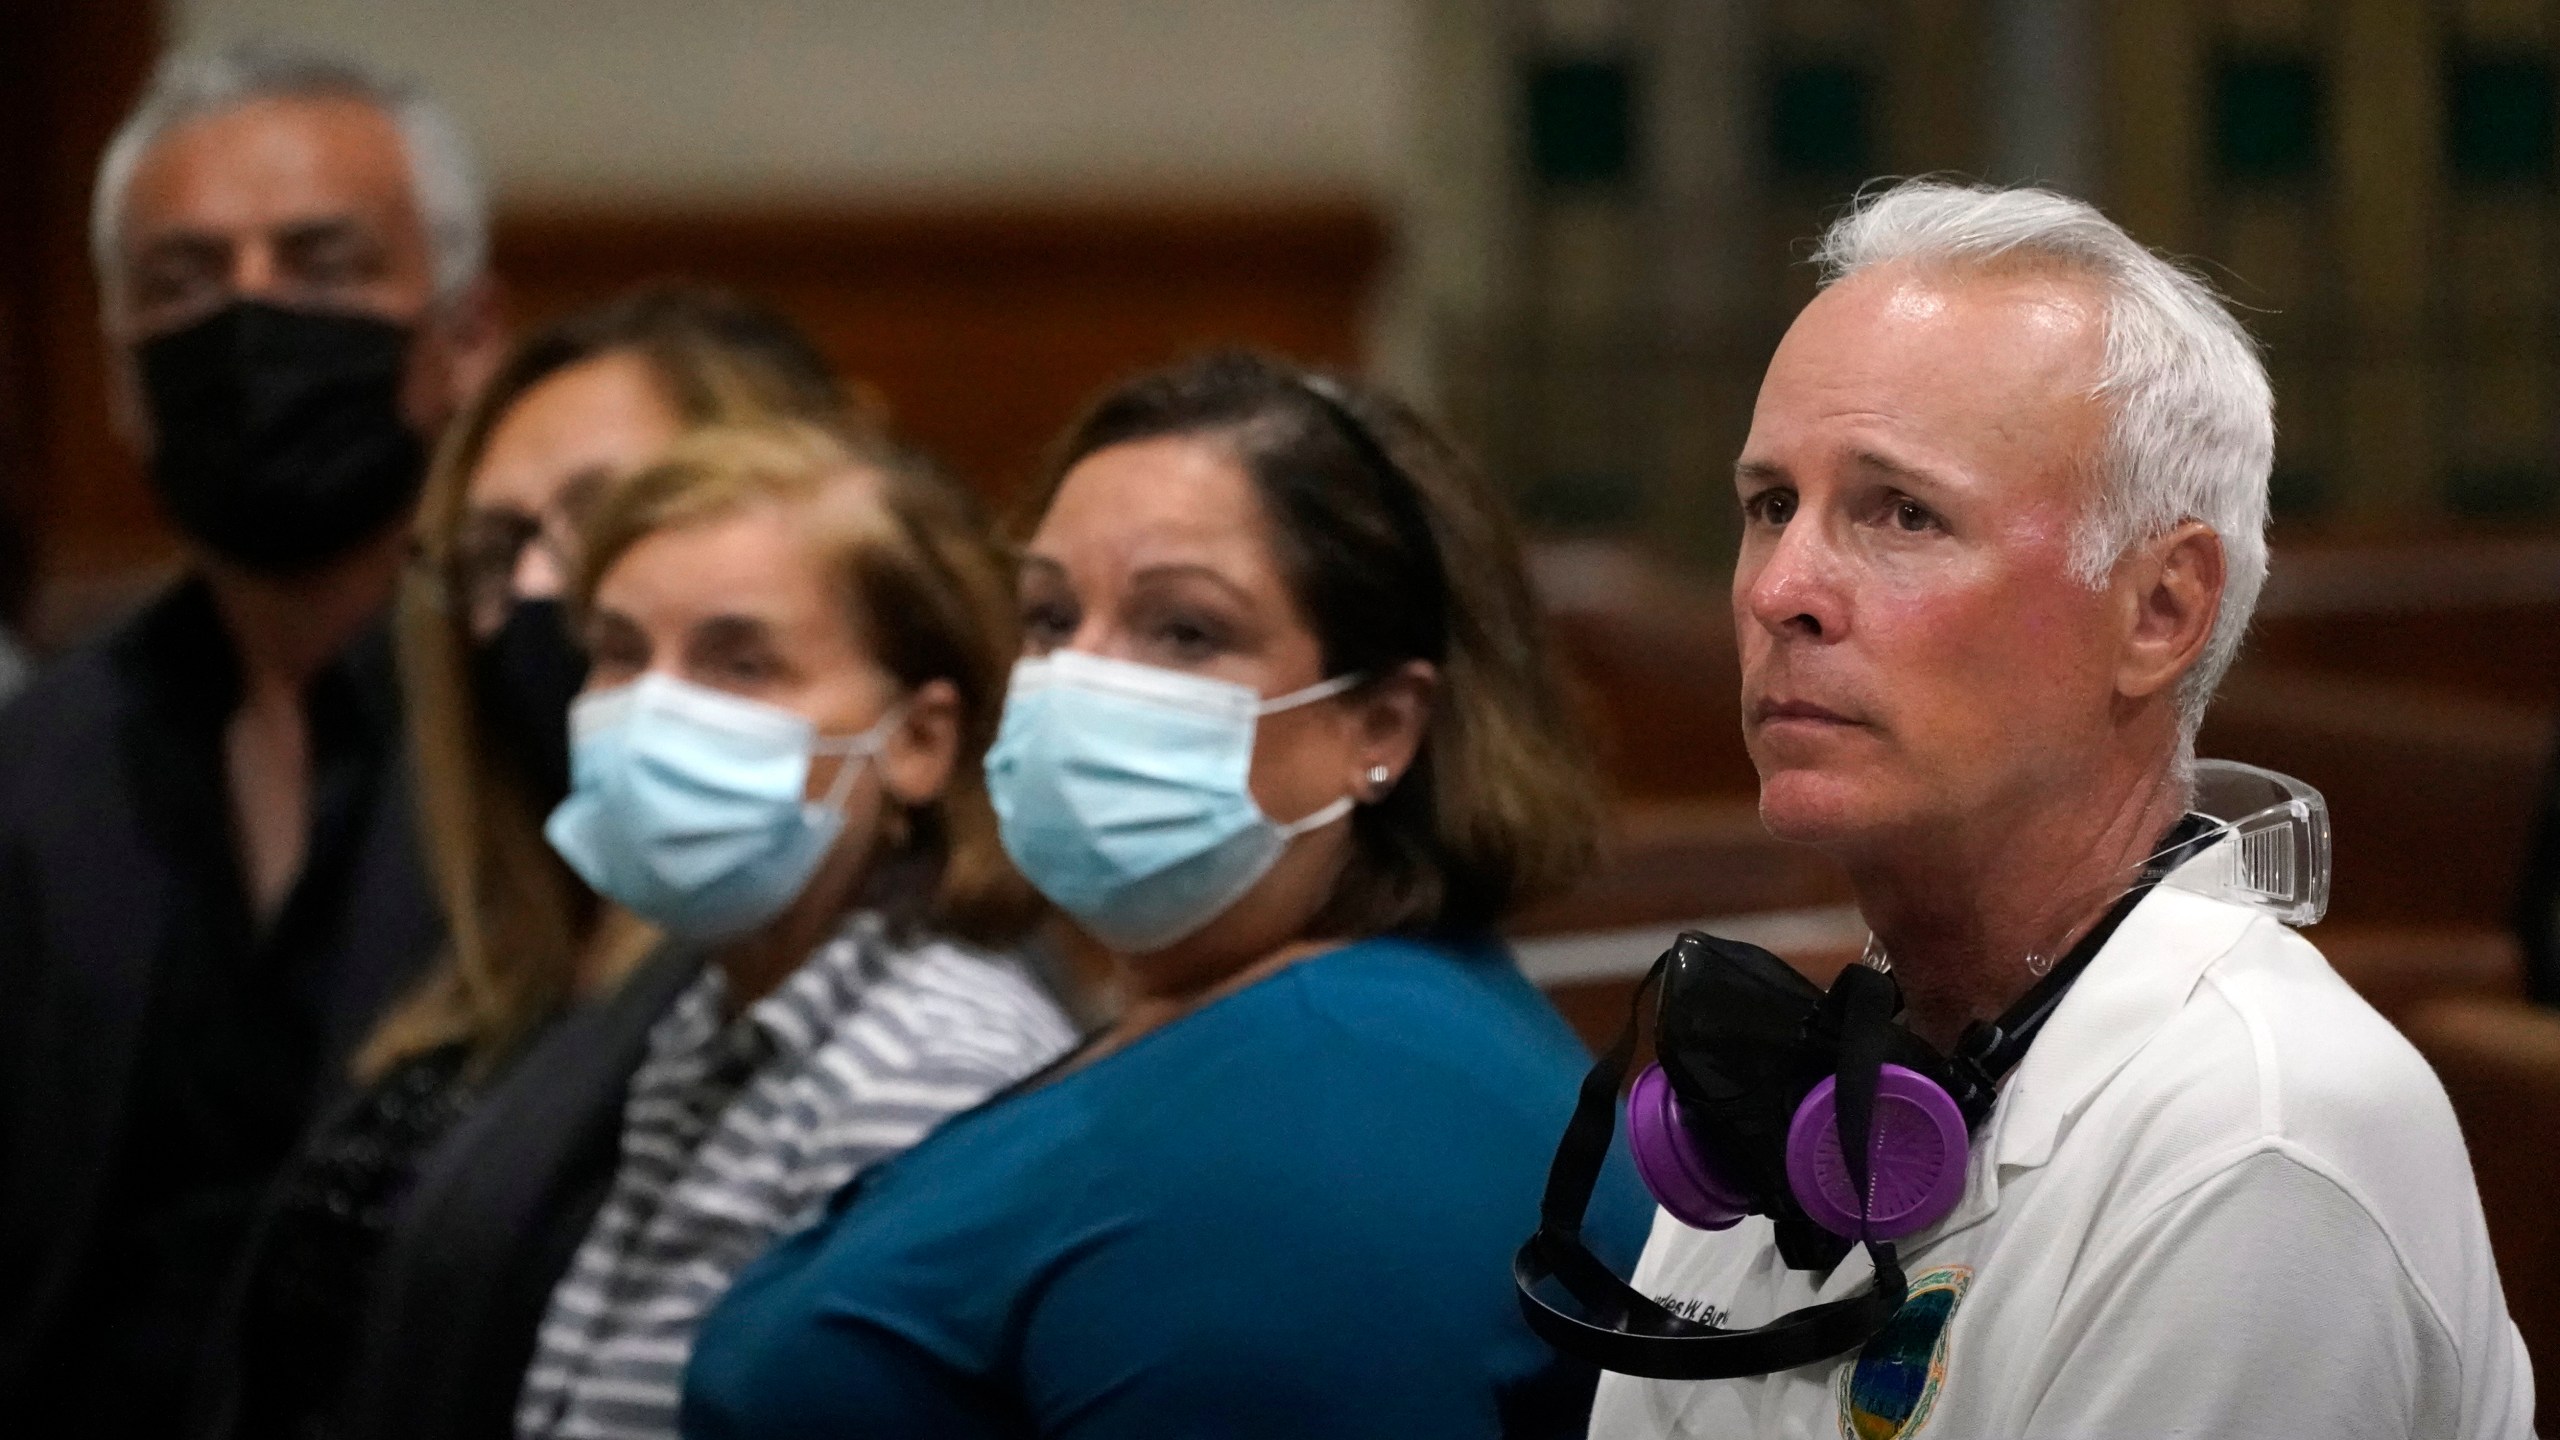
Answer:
(197, 84)
(2192, 436)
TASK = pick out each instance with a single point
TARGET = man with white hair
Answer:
(2003, 496)
(208, 882)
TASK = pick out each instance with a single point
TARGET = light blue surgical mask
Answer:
(1121, 791)
(685, 804)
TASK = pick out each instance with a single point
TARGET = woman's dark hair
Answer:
(1396, 550)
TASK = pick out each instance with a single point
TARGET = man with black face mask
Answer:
(209, 885)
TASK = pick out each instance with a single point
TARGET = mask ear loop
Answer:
(1317, 820)
(1321, 690)
(853, 752)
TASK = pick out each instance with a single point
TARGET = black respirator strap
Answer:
(1867, 1002)
(1622, 1329)
(1585, 1147)
(1991, 1051)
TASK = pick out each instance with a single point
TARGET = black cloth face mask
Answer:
(279, 442)
(523, 678)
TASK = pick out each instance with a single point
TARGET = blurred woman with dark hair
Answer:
(394, 1287)
(1285, 741)
(487, 656)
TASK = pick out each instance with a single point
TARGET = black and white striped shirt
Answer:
(736, 1132)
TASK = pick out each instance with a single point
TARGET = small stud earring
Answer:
(1378, 777)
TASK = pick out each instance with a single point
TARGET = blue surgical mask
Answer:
(685, 804)
(1121, 792)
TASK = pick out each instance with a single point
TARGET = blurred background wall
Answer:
(984, 209)
(1575, 228)
(623, 102)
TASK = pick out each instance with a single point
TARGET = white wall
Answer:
(705, 102)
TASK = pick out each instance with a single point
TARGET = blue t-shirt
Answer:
(1290, 1213)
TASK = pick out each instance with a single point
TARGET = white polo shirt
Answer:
(2220, 1197)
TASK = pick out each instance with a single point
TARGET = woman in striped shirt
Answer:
(798, 653)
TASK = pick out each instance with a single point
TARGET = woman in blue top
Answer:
(1286, 743)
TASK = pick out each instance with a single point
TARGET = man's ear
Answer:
(1390, 714)
(465, 339)
(2173, 594)
(921, 750)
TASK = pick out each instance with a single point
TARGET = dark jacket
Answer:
(126, 957)
(499, 1210)
(491, 1221)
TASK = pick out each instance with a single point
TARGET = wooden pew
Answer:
(2500, 1063)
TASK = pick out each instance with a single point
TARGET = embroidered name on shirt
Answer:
(1888, 1393)
(1701, 1311)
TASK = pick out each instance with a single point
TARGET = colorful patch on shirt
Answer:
(1888, 1394)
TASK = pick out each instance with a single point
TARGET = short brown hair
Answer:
(925, 590)
(1395, 549)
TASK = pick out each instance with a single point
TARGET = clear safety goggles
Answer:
(2268, 847)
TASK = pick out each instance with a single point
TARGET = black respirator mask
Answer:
(278, 441)
(1821, 1111)
(522, 678)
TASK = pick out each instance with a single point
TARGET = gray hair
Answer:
(193, 85)
(2193, 429)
